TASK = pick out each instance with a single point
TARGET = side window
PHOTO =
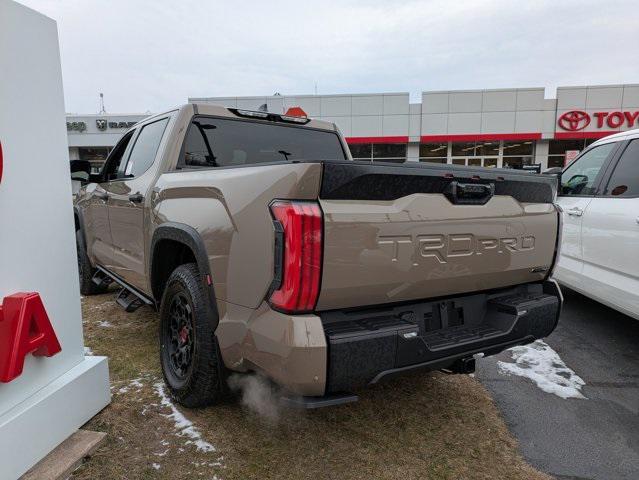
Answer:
(145, 148)
(581, 176)
(624, 181)
(112, 164)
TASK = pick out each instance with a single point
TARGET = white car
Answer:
(599, 195)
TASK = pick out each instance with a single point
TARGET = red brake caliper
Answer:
(184, 335)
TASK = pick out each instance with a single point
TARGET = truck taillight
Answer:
(298, 255)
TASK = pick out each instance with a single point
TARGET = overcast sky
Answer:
(148, 55)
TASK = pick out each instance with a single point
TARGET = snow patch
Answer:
(183, 425)
(156, 466)
(541, 364)
(135, 383)
(104, 324)
(103, 305)
(88, 352)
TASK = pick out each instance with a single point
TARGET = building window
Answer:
(361, 151)
(474, 162)
(95, 155)
(389, 152)
(517, 162)
(477, 154)
(490, 162)
(518, 154)
(555, 161)
(557, 150)
(518, 148)
(463, 149)
(433, 152)
(487, 149)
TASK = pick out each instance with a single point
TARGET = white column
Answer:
(52, 396)
(412, 152)
(541, 153)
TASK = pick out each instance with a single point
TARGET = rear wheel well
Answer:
(167, 256)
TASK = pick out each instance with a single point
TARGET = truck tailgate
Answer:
(401, 233)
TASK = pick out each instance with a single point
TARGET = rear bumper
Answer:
(365, 346)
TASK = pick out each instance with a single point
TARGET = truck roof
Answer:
(205, 108)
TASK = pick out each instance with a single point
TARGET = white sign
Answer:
(49, 397)
(570, 156)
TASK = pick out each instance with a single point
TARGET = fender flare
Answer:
(188, 236)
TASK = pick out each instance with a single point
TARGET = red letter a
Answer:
(24, 328)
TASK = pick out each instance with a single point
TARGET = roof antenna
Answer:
(102, 110)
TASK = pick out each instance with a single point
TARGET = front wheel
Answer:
(191, 363)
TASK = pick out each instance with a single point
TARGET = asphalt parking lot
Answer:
(596, 437)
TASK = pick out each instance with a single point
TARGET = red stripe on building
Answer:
(480, 137)
(581, 135)
(399, 139)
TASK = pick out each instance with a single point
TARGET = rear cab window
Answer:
(220, 142)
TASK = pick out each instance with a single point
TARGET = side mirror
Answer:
(80, 170)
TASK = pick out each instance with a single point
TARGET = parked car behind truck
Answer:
(266, 248)
(600, 198)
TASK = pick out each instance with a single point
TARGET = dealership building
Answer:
(492, 128)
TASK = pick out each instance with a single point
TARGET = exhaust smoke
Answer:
(258, 394)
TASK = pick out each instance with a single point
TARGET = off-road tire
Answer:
(203, 381)
(85, 269)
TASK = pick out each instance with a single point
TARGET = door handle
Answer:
(575, 212)
(101, 195)
(136, 198)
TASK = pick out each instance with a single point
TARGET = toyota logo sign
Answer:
(574, 120)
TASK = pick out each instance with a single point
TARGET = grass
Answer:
(426, 426)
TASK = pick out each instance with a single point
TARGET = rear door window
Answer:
(213, 142)
(583, 175)
(624, 181)
(145, 148)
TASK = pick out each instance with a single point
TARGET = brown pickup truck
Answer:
(266, 248)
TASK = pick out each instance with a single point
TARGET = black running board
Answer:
(310, 403)
(128, 297)
(101, 279)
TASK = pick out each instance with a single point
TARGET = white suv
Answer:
(599, 195)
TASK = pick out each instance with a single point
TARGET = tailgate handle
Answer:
(469, 193)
